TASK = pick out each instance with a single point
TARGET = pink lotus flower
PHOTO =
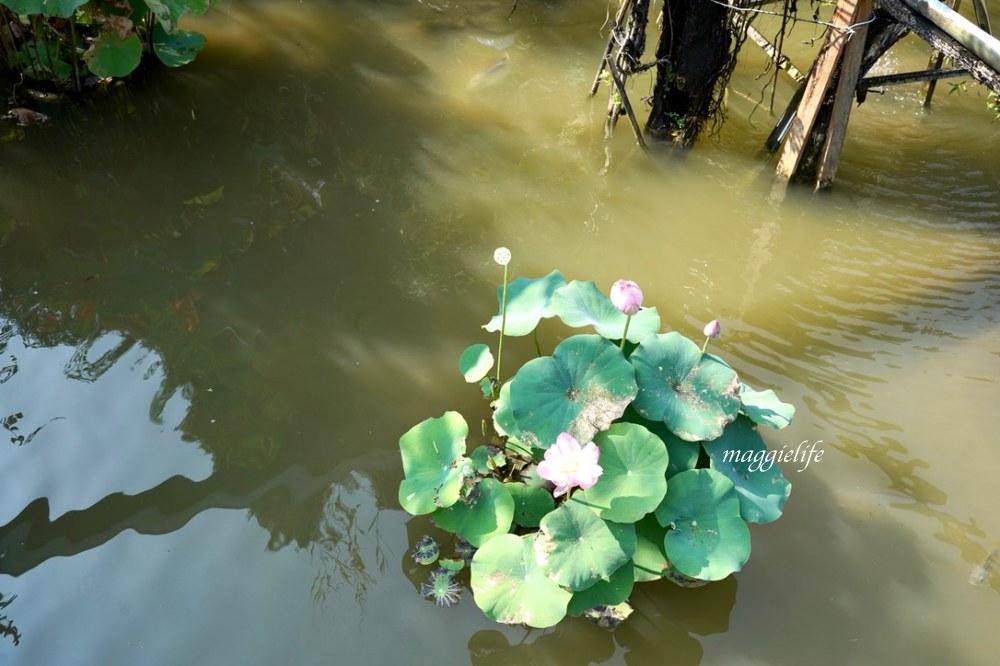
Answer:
(567, 464)
(626, 296)
(713, 329)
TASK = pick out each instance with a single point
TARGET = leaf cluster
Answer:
(670, 502)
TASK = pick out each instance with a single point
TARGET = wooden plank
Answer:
(844, 98)
(816, 87)
(960, 55)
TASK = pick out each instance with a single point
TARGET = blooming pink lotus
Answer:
(626, 296)
(567, 464)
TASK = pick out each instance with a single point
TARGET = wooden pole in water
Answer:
(937, 59)
(850, 69)
(837, 36)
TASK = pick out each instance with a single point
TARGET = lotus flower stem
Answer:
(538, 347)
(628, 320)
(502, 257)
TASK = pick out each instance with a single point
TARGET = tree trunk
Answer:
(692, 55)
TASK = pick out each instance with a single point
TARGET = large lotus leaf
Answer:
(176, 48)
(528, 302)
(765, 408)
(510, 587)
(475, 362)
(531, 503)
(576, 548)
(682, 455)
(693, 393)
(111, 55)
(60, 8)
(707, 538)
(583, 304)
(743, 457)
(634, 479)
(584, 386)
(650, 559)
(604, 592)
(489, 513)
(434, 463)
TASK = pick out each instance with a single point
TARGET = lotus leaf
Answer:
(584, 386)
(692, 393)
(765, 408)
(576, 548)
(434, 463)
(583, 304)
(740, 454)
(604, 592)
(634, 479)
(707, 538)
(475, 362)
(510, 587)
(531, 503)
(488, 514)
(111, 55)
(528, 302)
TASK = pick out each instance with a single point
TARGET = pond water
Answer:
(226, 290)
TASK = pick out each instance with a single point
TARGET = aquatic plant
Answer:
(600, 465)
(64, 42)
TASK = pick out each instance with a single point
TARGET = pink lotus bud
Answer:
(626, 296)
(567, 464)
(713, 329)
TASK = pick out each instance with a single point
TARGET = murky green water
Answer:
(226, 291)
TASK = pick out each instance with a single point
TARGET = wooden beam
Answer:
(910, 77)
(850, 70)
(960, 55)
(837, 36)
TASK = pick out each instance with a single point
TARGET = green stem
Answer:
(705, 346)
(503, 327)
(538, 347)
(74, 56)
(628, 320)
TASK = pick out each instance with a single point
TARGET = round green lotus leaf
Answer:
(584, 386)
(765, 408)
(583, 304)
(681, 455)
(111, 55)
(576, 548)
(488, 513)
(692, 393)
(178, 47)
(650, 559)
(434, 463)
(475, 362)
(528, 302)
(743, 457)
(707, 538)
(634, 479)
(531, 503)
(604, 592)
(510, 587)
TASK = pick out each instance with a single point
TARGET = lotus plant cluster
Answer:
(598, 466)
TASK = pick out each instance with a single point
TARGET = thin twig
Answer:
(615, 25)
(625, 103)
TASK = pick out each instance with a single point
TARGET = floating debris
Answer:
(981, 574)
(25, 117)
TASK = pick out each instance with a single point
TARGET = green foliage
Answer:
(667, 501)
(62, 41)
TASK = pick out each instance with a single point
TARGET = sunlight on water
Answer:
(236, 284)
